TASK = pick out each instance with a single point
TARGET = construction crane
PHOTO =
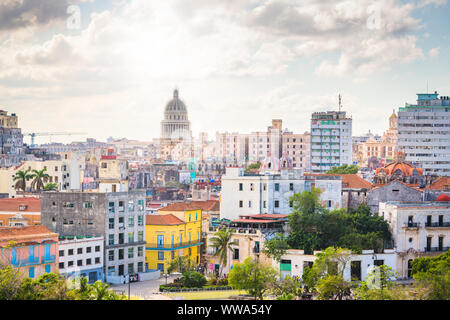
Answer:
(50, 134)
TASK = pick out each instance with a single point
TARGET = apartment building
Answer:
(251, 193)
(260, 144)
(118, 217)
(298, 148)
(331, 140)
(424, 133)
(12, 150)
(81, 257)
(419, 229)
(231, 147)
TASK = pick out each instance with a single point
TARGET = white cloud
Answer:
(434, 53)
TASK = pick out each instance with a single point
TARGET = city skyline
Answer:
(113, 74)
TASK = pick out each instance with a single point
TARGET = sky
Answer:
(108, 68)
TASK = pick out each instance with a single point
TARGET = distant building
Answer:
(298, 148)
(12, 150)
(35, 251)
(331, 140)
(424, 133)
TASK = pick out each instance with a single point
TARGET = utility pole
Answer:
(129, 286)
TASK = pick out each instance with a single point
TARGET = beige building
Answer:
(8, 121)
(260, 144)
(298, 148)
(112, 173)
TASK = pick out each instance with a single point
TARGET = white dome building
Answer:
(175, 124)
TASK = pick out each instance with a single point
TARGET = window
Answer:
(111, 208)
(79, 263)
(291, 187)
(61, 265)
(140, 220)
(111, 270)
(140, 267)
(88, 249)
(141, 251)
(130, 205)
(61, 253)
(97, 260)
(87, 205)
(121, 238)
(355, 270)
(140, 205)
(236, 254)
(277, 203)
(160, 255)
(111, 239)
(80, 251)
(70, 263)
(249, 204)
(241, 203)
(68, 205)
(251, 187)
(140, 235)
(130, 268)
(88, 261)
(130, 253)
(378, 263)
(130, 222)
(120, 254)
(70, 252)
(111, 255)
(264, 203)
(241, 187)
(130, 237)
(121, 206)
(97, 248)
(277, 187)
(31, 272)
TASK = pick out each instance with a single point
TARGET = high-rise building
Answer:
(297, 147)
(423, 133)
(12, 151)
(331, 140)
(260, 144)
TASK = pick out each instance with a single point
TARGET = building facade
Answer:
(424, 133)
(12, 150)
(331, 140)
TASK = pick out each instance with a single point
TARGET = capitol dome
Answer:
(175, 124)
(175, 104)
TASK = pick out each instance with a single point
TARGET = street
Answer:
(147, 290)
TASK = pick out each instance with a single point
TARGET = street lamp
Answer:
(166, 275)
(256, 250)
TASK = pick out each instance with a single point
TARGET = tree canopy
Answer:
(344, 169)
(313, 227)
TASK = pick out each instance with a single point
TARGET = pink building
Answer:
(33, 249)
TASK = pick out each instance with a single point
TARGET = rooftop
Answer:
(162, 220)
(208, 205)
(25, 233)
(20, 205)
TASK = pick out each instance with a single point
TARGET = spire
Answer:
(175, 93)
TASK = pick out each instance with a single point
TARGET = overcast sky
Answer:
(237, 63)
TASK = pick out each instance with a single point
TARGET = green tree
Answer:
(11, 280)
(252, 166)
(21, 177)
(432, 274)
(193, 279)
(380, 285)
(344, 169)
(51, 186)
(222, 244)
(39, 177)
(286, 288)
(181, 264)
(276, 247)
(101, 291)
(253, 276)
(333, 286)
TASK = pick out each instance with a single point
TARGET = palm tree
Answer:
(100, 290)
(21, 177)
(39, 177)
(222, 244)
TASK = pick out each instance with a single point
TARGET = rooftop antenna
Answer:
(340, 102)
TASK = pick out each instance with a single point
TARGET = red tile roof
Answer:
(208, 205)
(22, 233)
(266, 215)
(351, 181)
(162, 220)
(442, 183)
(253, 221)
(13, 204)
(406, 168)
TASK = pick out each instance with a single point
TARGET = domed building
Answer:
(399, 171)
(176, 135)
(175, 124)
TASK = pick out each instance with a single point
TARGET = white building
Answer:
(82, 257)
(293, 263)
(244, 194)
(424, 133)
(418, 229)
(331, 140)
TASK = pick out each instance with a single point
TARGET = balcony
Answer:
(25, 262)
(436, 249)
(172, 246)
(437, 225)
(47, 259)
(411, 225)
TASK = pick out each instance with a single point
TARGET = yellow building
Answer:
(172, 234)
